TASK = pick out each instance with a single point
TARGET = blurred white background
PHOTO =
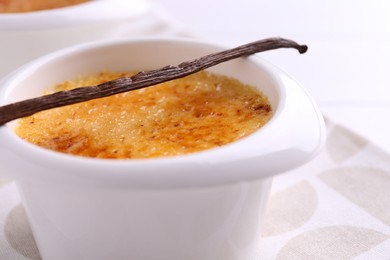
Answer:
(347, 67)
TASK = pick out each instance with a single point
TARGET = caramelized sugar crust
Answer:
(195, 113)
(20, 6)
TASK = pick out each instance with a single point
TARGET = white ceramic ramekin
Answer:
(206, 205)
(25, 36)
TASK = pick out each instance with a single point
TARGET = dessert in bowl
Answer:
(176, 117)
(202, 205)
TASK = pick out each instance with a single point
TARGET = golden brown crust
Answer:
(195, 113)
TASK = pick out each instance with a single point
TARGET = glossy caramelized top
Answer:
(198, 112)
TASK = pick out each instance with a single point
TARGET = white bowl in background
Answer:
(206, 205)
(26, 36)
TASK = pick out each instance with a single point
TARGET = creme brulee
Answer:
(195, 113)
(20, 6)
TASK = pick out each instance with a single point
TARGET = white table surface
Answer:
(347, 67)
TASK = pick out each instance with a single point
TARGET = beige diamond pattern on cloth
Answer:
(18, 233)
(343, 144)
(335, 207)
(290, 209)
(368, 188)
(334, 242)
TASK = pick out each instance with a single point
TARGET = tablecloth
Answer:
(335, 207)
